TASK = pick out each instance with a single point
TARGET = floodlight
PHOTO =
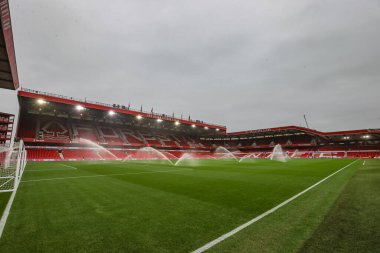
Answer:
(366, 136)
(206, 128)
(346, 137)
(139, 117)
(159, 120)
(79, 108)
(41, 101)
(177, 123)
(217, 129)
(111, 113)
(193, 126)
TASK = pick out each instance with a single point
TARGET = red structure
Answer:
(6, 128)
(303, 142)
(121, 109)
(55, 127)
(8, 66)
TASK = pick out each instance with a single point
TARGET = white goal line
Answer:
(243, 226)
(59, 169)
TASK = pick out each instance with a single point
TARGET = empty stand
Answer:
(38, 130)
(42, 154)
(81, 154)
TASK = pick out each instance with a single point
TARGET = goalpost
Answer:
(12, 165)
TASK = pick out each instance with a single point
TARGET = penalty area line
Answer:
(243, 226)
(103, 175)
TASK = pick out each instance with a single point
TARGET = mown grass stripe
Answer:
(103, 175)
(243, 226)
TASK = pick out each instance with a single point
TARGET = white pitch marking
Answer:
(68, 166)
(243, 226)
(364, 163)
(44, 170)
(130, 173)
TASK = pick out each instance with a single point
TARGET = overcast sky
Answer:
(244, 64)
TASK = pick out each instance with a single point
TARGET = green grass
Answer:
(353, 224)
(151, 207)
(4, 196)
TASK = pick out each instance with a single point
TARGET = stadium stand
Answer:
(55, 128)
(43, 154)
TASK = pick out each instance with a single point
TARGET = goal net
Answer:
(12, 164)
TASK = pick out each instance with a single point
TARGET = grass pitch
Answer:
(156, 207)
(353, 223)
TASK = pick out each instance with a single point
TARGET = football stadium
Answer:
(78, 175)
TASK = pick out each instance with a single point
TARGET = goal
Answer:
(12, 164)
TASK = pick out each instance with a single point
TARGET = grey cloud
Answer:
(246, 64)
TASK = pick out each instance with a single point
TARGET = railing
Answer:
(6, 121)
(151, 114)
